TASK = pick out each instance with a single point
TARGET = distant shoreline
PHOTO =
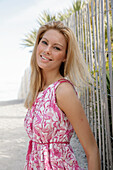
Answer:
(11, 102)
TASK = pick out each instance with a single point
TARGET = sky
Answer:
(18, 18)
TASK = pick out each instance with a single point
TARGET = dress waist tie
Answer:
(30, 147)
(47, 158)
(51, 143)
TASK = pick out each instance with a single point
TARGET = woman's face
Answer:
(51, 50)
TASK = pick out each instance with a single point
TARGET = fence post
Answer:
(110, 60)
(108, 141)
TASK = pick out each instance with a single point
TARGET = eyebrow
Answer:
(55, 43)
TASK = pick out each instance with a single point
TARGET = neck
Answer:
(50, 77)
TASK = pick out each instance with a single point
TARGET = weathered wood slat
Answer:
(88, 25)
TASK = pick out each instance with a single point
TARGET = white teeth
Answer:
(44, 58)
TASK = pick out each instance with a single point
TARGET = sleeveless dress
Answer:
(50, 132)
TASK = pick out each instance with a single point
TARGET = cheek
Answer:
(61, 57)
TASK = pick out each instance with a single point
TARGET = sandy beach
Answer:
(14, 140)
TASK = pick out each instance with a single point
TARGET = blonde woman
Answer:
(54, 110)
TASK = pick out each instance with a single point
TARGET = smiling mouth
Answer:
(47, 59)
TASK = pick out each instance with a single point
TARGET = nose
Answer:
(47, 50)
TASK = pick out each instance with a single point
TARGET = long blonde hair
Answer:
(74, 67)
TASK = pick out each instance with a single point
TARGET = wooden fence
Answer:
(93, 27)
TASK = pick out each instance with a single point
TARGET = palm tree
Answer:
(29, 39)
(76, 6)
(45, 17)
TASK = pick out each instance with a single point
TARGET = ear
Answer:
(64, 58)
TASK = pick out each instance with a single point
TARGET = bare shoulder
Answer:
(65, 89)
(65, 93)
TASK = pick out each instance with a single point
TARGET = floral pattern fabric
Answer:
(50, 132)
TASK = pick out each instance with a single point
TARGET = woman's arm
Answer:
(69, 103)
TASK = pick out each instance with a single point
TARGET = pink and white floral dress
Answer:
(50, 132)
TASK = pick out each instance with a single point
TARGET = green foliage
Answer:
(77, 5)
(45, 17)
(64, 15)
(29, 39)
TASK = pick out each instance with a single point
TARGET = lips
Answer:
(45, 58)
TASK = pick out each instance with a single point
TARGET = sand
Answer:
(13, 138)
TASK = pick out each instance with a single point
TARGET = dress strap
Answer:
(62, 81)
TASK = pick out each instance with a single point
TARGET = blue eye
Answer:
(57, 48)
(44, 42)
